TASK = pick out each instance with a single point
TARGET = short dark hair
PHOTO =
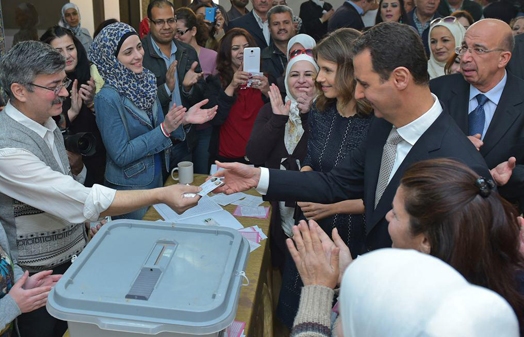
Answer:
(279, 10)
(158, 3)
(26, 60)
(393, 45)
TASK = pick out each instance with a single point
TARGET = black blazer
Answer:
(310, 13)
(516, 63)
(249, 23)
(346, 16)
(357, 175)
(505, 135)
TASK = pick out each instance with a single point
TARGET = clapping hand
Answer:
(314, 265)
(30, 293)
(87, 92)
(503, 171)
(197, 115)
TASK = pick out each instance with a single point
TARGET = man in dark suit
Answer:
(501, 134)
(396, 85)
(349, 15)
(177, 70)
(255, 22)
(315, 17)
(516, 64)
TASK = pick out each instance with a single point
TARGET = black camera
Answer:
(83, 143)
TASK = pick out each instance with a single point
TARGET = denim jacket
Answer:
(131, 138)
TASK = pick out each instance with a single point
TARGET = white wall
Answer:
(86, 11)
(112, 9)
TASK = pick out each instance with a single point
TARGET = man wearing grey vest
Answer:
(43, 205)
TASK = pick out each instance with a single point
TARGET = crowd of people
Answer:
(373, 125)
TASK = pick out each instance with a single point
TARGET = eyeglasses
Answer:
(447, 19)
(180, 33)
(161, 22)
(297, 52)
(56, 90)
(475, 50)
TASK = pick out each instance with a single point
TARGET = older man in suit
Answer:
(411, 126)
(256, 23)
(487, 102)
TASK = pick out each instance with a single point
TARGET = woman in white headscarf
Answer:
(300, 44)
(279, 140)
(406, 293)
(445, 35)
(70, 19)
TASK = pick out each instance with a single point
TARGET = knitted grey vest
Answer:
(16, 135)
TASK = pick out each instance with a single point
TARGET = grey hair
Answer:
(279, 10)
(26, 60)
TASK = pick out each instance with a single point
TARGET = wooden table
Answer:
(255, 306)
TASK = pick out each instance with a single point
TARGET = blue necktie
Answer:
(477, 117)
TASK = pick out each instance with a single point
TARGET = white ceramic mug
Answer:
(185, 172)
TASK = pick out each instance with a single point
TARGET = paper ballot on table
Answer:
(206, 212)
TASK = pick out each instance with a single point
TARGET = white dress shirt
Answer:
(491, 105)
(24, 177)
(264, 25)
(410, 134)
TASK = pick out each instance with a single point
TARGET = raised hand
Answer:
(197, 115)
(76, 102)
(237, 177)
(277, 105)
(87, 92)
(191, 77)
(313, 264)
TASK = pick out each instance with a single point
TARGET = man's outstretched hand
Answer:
(237, 177)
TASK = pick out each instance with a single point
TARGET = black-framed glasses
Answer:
(161, 22)
(297, 52)
(447, 19)
(56, 90)
(181, 32)
(475, 50)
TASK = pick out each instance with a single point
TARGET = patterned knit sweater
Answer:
(314, 312)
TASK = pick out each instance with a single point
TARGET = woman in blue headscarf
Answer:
(70, 19)
(134, 130)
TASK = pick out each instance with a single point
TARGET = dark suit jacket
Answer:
(516, 64)
(249, 23)
(346, 16)
(310, 13)
(357, 176)
(505, 135)
(470, 6)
